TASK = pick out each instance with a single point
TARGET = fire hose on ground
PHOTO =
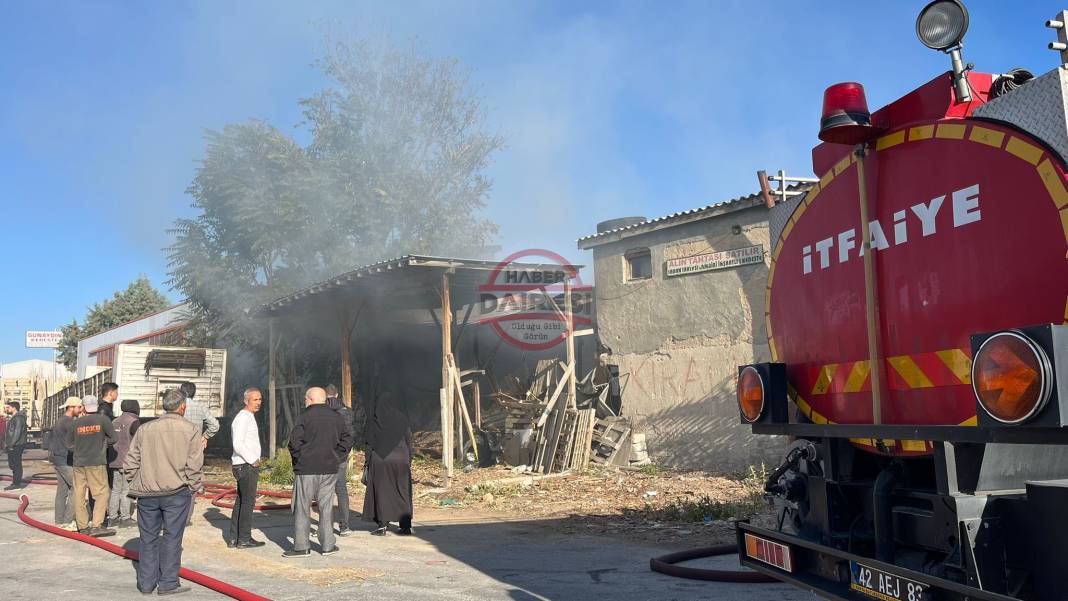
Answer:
(215, 491)
(666, 564)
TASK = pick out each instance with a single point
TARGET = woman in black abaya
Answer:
(389, 467)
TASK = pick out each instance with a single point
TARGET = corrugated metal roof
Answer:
(389, 266)
(720, 205)
(131, 330)
(742, 202)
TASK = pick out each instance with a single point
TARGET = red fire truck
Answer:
(914, 309)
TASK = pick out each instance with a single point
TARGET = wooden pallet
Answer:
(582, 446)
(609, 438)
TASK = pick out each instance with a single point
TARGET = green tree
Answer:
(136, 301)
(394, 166)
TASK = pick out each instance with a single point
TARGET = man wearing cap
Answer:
(63, 462)
(89, 440)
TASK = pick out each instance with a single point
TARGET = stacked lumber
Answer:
(542, 428)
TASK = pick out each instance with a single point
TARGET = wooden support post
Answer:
(346, 360)
(446, 458)
(447, 410)
(272, 391)
(570, 317)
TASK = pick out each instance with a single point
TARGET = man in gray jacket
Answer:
(164, 466)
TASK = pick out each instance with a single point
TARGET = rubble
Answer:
(536, 425)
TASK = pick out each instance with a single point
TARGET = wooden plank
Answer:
(572, 399)
(463, 409)
(587, 444)
(477, 400)
(556, 394)
(553, 439)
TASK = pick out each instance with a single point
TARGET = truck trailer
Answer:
(144, 372)
(915, 311)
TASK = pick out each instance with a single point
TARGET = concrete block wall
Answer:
(680, 340)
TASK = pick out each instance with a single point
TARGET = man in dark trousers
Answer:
(245, 436)
(164, 466)
(109, 392)
(15, 441)
(126, 425)
(317, 444)
(341, 487)
(63, 463)
(199, 415)
(89, 439)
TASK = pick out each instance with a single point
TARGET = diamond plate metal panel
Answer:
(779, 215)
(1038, 107)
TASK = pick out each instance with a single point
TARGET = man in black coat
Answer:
(317, 443)
(15, 441)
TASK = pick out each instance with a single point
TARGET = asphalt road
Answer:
(445, 560)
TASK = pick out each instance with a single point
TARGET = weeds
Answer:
(497, 490)
(696, 510)
(280, 469)
(755, 480)
(650, 470)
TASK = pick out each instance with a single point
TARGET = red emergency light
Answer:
(846, 118)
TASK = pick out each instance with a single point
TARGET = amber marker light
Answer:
(750, 394)
(1011, 377)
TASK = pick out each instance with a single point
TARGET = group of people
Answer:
(320, 443)
(110, 467)
(88, 448)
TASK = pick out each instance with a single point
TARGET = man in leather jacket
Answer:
(15, 442)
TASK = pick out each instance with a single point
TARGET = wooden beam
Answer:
(272, 393)
(446, 379)
(476, 397)
(572, 399)
(463, 410)
(346, 363)
(556, 394)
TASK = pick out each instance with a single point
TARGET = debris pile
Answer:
(541, 426)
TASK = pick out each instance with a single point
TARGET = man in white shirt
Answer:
(245, 434)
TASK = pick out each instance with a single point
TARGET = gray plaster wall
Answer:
(680, 339)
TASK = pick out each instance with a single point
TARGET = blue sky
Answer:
(608, 108)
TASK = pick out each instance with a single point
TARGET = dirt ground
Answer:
(649, 504)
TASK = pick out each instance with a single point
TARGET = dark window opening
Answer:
(639, 264)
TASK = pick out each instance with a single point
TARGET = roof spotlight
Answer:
(942, 24)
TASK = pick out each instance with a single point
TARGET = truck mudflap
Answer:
(837, 574)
